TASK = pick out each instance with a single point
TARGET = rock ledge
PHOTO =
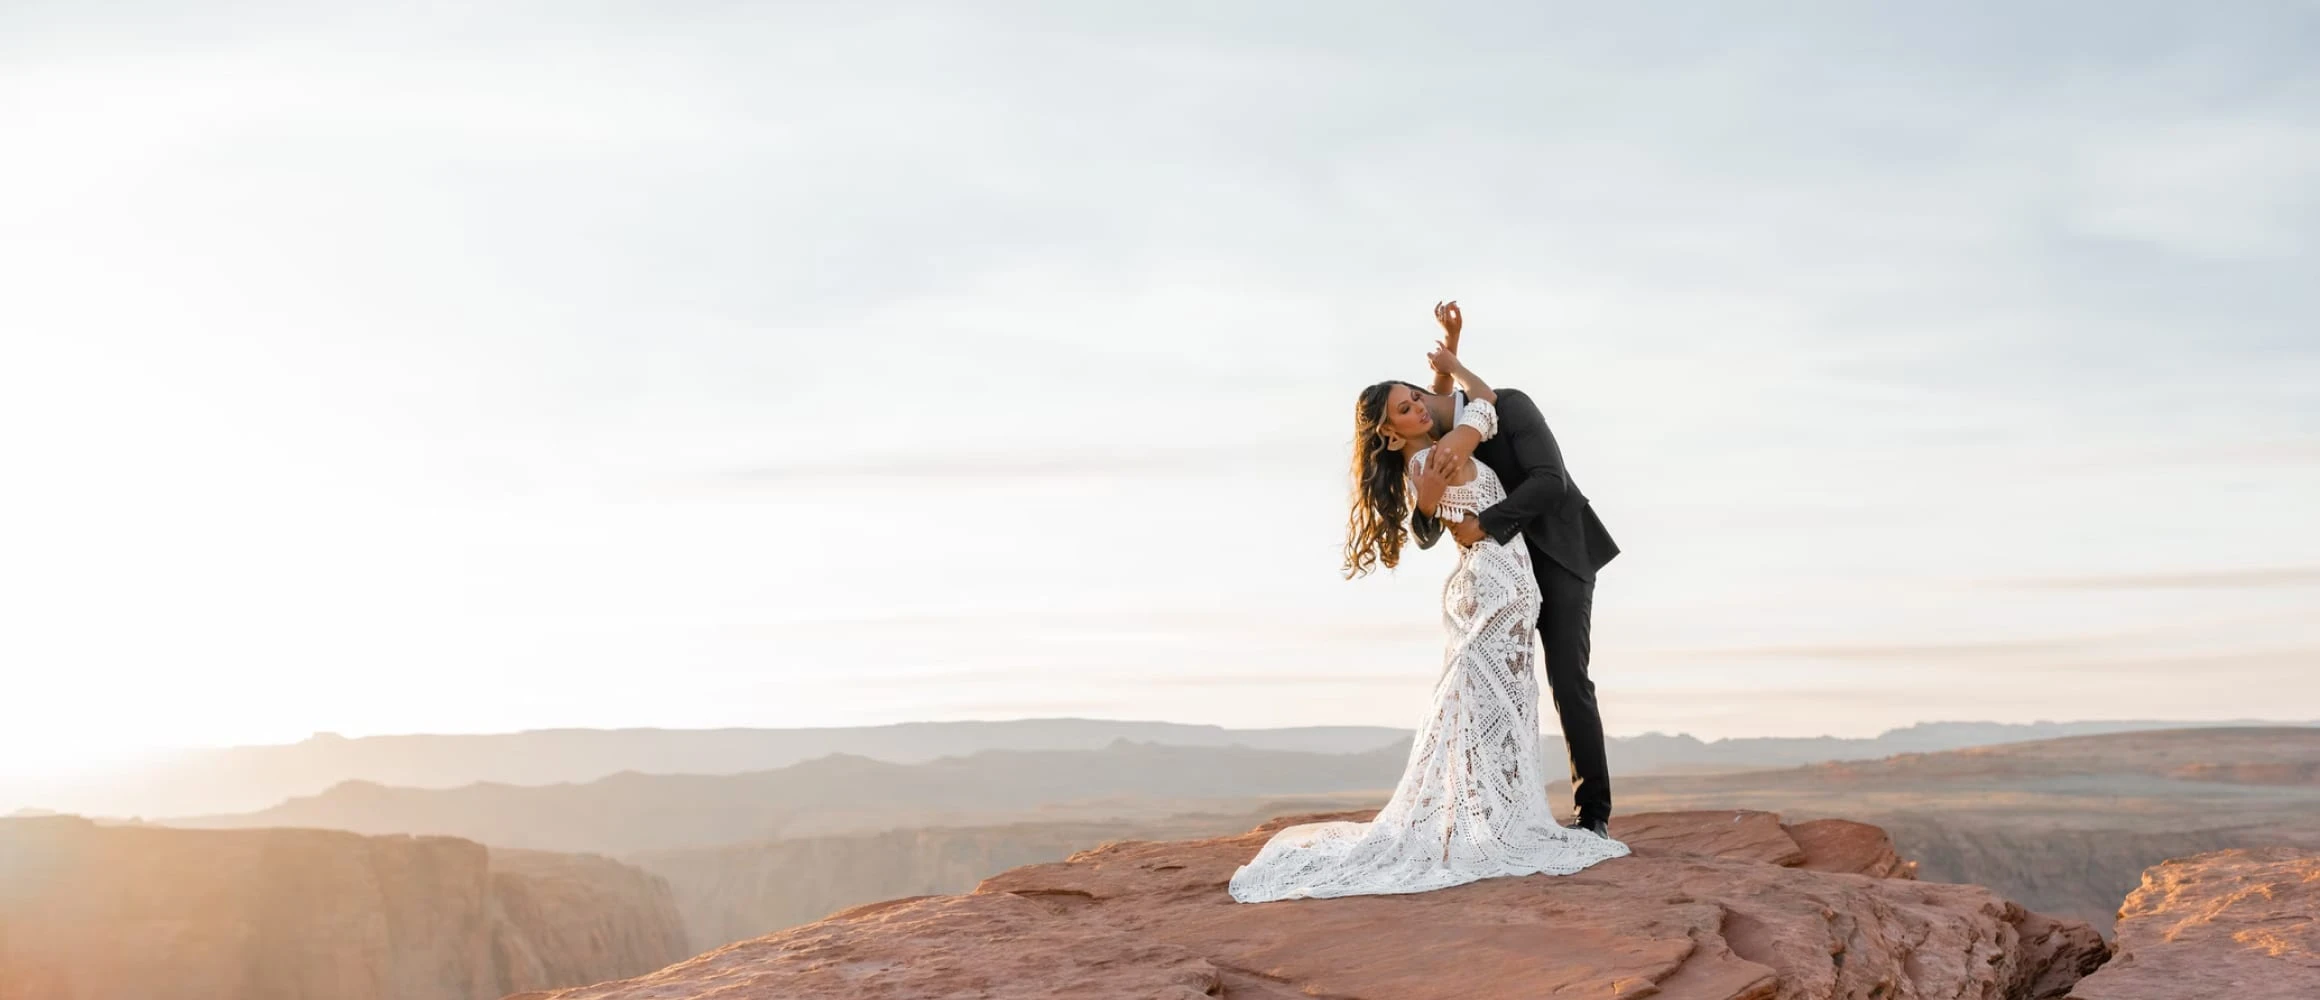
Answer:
(1713, 905)
(2243, 924)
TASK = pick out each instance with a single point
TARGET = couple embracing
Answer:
(1480, 464)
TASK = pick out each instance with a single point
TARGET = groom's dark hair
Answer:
(1375, 529)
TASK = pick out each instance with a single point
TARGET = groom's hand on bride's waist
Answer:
(1467, 532)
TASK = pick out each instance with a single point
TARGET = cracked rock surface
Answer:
(2243, 924)
(1714, 905)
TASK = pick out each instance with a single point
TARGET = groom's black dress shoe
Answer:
(1594, 826)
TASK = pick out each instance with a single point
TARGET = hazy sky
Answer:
(478, 367)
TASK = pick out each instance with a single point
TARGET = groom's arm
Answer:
(1544, 485)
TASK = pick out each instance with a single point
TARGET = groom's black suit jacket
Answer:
(1542, 503)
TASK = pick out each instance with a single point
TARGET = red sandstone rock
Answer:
(1841, 845)
(1823, 845)
(90, 912)
(2243, 924)
(1694, 915)
(1724, 833)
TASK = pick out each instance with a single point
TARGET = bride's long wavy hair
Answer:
(1378, 525)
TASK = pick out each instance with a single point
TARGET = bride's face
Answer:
(1406, 415)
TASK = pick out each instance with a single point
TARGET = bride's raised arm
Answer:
(1444, 359)
(1447, 314)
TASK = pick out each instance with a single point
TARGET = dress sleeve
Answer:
(1481, 415)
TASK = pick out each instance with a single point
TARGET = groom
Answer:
(1568, 544)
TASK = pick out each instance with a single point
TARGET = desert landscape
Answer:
(2064, 825)
(476, 892)
(1200, 500)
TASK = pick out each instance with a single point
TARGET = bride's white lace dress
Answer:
(1472, 802)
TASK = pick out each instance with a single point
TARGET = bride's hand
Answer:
(1442, 359)
(1446, 313)
(1431, 483)
(1448, 456)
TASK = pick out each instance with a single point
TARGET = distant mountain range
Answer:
(243, 779)
(1660, 753)
(239, 779)
(1123, 781)
(632, 812)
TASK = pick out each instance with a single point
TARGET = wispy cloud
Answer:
(1871, 652)
(2235, 579)
(816, 468)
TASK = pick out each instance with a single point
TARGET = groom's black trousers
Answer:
(1566, 604)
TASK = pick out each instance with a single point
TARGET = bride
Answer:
(1472, 801)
